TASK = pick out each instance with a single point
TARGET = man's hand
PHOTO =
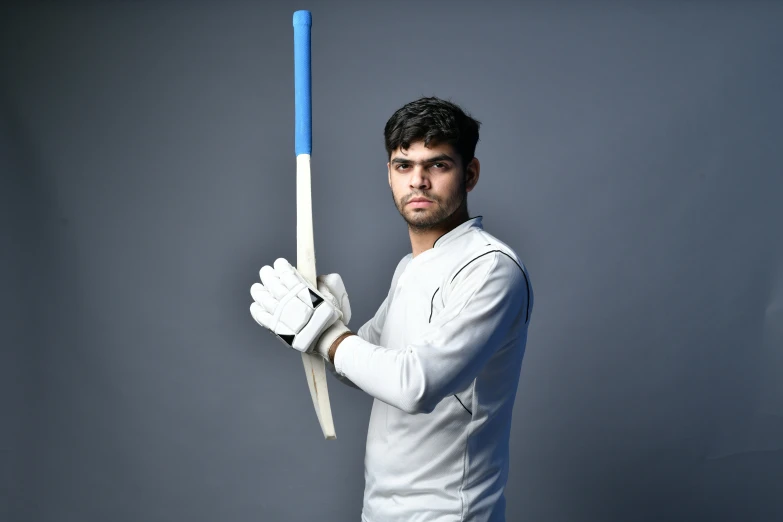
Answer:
(294, 311)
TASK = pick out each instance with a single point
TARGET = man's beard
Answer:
(422, 220)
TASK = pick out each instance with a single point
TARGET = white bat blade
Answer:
(315, 368)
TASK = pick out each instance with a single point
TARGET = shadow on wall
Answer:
(30, 301)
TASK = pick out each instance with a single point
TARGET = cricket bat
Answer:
(314, 366)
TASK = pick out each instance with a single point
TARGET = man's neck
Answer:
(423, 240)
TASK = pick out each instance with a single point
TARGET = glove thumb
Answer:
(332, 287)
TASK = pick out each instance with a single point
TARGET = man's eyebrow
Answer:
(434, 159)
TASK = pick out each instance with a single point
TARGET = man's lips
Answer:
(419, 202)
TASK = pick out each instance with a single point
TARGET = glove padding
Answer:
(332, 287)
(288, 306)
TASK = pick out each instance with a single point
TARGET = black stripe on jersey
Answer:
(460, 402)
(527, 283)
(432, 303)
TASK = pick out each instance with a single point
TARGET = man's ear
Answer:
(388, 172)
(472, 172)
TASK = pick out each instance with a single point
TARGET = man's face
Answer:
(428, 183)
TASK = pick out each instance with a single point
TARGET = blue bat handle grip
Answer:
(303, 20)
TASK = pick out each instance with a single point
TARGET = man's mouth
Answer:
(420, 202)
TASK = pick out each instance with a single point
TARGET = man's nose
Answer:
(419, 178)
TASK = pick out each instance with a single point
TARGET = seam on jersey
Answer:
(527, 283)
(432, 304)
(471, 424)
(470, 297)
(463, 405)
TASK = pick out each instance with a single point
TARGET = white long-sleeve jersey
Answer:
(442, 358)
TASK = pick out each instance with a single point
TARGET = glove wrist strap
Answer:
(327, 339)
(336, 343)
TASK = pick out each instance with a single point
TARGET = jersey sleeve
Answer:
(490, 296)
(371, 330)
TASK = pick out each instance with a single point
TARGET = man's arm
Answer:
(370, 332)
(490, 296)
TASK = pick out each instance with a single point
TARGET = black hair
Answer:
(433, 121)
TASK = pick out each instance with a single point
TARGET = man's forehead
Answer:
(418, 150)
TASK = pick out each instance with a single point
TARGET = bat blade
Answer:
(314, 365)
(315, 368)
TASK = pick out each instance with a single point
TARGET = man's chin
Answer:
(422, 223)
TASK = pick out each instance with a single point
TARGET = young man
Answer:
(442, 355)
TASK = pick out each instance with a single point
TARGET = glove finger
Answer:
(334, 282)
(272, 282)
(262, 296)
(292, 279)
(324, 290)
(345, 308)
(261, 316)
(282, 266)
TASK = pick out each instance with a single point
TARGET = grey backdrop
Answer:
(631, 154)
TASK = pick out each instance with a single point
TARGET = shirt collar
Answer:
(459, 230)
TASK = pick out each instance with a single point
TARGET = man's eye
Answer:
(440, 166)
(402, 166)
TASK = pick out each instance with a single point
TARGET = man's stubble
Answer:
(421, 220)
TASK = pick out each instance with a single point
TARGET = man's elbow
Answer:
(419, 392)
(419, 402)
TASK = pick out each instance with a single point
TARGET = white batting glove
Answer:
(333, 288)
(296, 313)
